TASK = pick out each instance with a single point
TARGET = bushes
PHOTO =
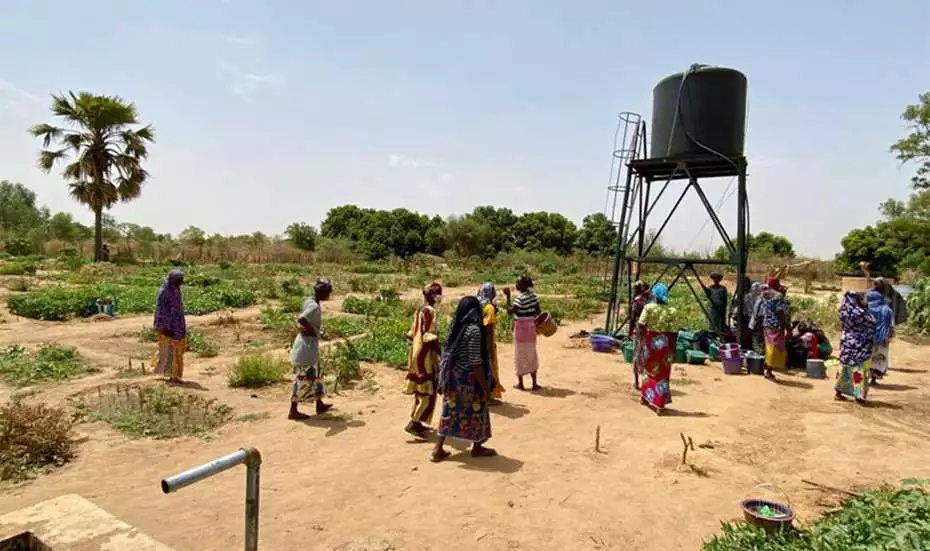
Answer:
(341, 360)
(155, 411)
(918, 306)
(257, 371)
(61, 303)
(49, 362)
(18, 268)
(884, 518)
(33, 437)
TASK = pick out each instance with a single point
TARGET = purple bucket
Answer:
(602, 343)
(730, 350)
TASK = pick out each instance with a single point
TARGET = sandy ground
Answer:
(355, 481)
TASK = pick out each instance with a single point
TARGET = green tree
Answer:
(916, 145)
(303, 236)
(18, 209)
(762, 245)
(597, 236)
(467, 237)
(62, 226)
(103, 149)
(192, 235)
(540, 231)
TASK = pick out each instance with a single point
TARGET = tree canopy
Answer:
(102, 148)
(916, 145)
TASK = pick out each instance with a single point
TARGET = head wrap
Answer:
(525, 281)
(487, 294)
(323, 285)
(660, 293)
(432, 289)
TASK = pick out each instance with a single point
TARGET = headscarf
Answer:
(858, 331)
(525, 281)
(774, 284)
(432, 289)
(660, 293)
(467, 313)
(487, 294)
(169, 306)
(716, 275)
(323, 285)
(883, 314)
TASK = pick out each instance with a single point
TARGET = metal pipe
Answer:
(253, 461)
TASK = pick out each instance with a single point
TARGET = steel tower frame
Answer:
(629, 259)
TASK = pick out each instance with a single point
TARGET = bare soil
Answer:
(355, 481)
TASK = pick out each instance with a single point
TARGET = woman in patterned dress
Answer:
(775, 324)
(487, 295)
(423, 362)
(657, 349)
(884, 330)
(466, 383)
(855, 348)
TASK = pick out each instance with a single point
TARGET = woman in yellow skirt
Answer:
(487, 294)
(170, 328)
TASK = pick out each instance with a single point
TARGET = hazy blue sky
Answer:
(269, 112)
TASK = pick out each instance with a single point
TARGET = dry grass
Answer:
(33, 438)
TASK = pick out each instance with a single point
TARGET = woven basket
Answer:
(545, 325)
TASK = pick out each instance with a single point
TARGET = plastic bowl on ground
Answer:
(602, 343)
(769, 515)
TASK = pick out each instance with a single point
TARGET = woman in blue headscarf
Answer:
(884, 330)
(466, 383)
(855, 348)
(657, 349)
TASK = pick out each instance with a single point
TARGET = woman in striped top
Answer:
(466, 383)
(524, 310)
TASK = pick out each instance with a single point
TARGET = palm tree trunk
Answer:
(98, 234)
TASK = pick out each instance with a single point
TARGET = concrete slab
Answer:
(72, 523)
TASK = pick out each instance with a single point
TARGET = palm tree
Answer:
(104, 150)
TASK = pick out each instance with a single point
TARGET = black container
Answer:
(712, 105)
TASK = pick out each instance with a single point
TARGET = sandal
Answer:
(422, 433)
(483, 452)
(439, 456)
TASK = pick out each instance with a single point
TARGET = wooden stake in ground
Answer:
(686, 443)
(597, 439)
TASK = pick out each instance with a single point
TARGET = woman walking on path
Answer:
(423, 362)
(170, 328)
(855, 348)
(305, 353)
(657, 349)
(884, 331)
(524, 309)
(466, 383)
(487, 295)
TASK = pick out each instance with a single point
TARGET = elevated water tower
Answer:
(698, 133)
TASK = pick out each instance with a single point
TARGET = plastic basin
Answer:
(602, 343)
(753, 515)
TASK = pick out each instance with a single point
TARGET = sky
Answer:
(270, 112)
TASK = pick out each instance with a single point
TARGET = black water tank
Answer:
(712, 105)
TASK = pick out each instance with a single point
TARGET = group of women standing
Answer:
(464, 369)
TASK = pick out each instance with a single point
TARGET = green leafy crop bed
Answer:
(882, 519)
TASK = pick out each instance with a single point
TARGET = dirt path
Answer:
(357, 480)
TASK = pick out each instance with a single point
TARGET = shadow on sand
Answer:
(189, 385)
(496, 464)
(553, 392)
(669, 412)
(333, 423)
(790, 382)
(883, 386)
(510, 410)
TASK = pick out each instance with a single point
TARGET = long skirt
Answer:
(880, 361)
(776, 353)
(465, 412)
(853, 380)
(656, 353)
(638, 361)
(169, 359)
(307, 385)
(498, 391)
(424, 402)
(525, 358)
